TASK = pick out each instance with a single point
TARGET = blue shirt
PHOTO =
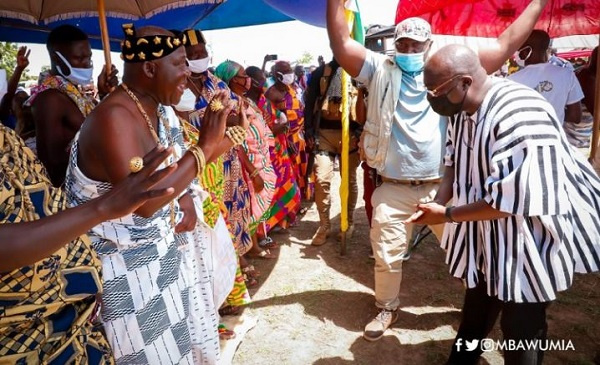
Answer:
(418, 138)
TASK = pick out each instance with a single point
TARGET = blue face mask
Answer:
(410, 62)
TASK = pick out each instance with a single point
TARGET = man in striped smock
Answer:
(524, 211)
(403, 137)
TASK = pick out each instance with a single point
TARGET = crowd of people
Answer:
(139, 211)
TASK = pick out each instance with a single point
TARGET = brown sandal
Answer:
(229, 310)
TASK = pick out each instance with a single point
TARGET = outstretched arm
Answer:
(41, 238)
(107, 146)
(348, 53)
(512, 38)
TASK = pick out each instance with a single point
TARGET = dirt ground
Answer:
(312, 305)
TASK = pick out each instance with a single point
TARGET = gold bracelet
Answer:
(199, 157)
(236, 134)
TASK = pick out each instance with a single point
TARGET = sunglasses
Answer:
(435, 92)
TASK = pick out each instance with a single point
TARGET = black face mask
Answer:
(443, 106)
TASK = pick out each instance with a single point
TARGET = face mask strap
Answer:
(66, 62)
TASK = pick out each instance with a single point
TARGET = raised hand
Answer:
(107, 81)
(212, 131)
(137, 188)
(23, 57)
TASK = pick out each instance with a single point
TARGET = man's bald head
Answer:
(449, 61)
(455, 80)
(283, 67)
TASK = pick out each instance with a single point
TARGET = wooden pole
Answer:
(104, 34)
(596, 125)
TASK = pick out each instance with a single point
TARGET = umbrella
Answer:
(32, 20)
(254, 12)
(488, 18)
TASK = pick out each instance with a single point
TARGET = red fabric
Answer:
(575, 54)
(488, 18)
(368, 189)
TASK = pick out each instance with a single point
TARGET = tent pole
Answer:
(104, 32)
(596, 125)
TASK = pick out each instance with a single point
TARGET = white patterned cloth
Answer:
(159, 305)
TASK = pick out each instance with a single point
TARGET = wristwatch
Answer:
(448, 214)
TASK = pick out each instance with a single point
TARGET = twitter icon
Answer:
(471, 345)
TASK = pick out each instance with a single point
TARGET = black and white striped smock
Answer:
(515, 156)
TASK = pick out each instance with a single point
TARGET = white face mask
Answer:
(521, 61)
(287, 79)
(187, 102)
(78, 76)
(199, 66)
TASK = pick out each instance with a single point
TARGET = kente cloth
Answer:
(212, 180)
(239, 295)
(256, 147)
(235, 190)
(158, 305)
(236, 197)
(210, 85)
(294, 110)
(286, 199)
(212, 210)
(46, 309)
(84, 103)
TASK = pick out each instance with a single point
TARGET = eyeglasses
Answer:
(435, 92)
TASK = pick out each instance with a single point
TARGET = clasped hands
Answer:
(429, 214)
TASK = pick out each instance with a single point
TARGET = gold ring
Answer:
(136, 164)
(216, 105)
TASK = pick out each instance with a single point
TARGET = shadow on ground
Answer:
(351, 310)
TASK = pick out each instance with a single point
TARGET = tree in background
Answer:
(8, 60)
(305, 59)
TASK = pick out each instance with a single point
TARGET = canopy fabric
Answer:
(576, 54)
(488, 18)
(48, 11)
(239, 13)
(30, 21)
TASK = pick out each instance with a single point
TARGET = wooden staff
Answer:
(104, 35)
